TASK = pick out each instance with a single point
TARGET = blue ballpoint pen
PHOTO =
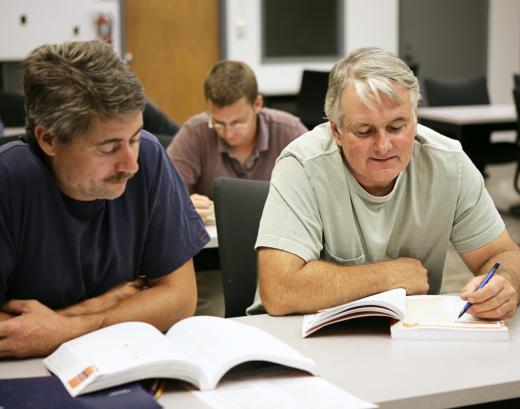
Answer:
(482, 284)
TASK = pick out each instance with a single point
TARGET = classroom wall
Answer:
(367, 23)
(504, 48)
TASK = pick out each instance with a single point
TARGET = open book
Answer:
(199, 350)
(435, 317)
(418, 317)
(387, 304)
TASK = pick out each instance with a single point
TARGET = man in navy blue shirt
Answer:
(96, 227)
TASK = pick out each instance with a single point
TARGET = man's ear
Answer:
(335, 133)
(45, 139)
(259, 103)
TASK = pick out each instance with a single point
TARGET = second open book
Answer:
(199, 350)
(417, 317)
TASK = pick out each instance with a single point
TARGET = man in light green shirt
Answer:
(370, 201)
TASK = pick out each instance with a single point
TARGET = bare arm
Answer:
(288, 285)
(500, 297)
(37, 330)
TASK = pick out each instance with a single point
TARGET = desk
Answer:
(460, 120)
(360, 357)
(14, 131)
(213, 242)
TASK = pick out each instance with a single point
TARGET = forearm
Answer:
(509, 267)
(162, 303)
(105, 301)
(318, 284)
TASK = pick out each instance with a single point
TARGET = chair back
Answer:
(238, 208)
(516, 80)
(12, 109)
(311, 99)
(516, 97)
(465, 92)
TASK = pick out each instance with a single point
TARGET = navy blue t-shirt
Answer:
(61, 251)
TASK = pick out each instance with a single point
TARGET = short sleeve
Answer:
(185, 154)
(477, 221)
(175, 232)
(291, 220)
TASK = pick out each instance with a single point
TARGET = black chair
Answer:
(238, 207)
(478, 144)
(158, 123)
(516, 81)
(311, 98)
(516, 97)
(12, 109)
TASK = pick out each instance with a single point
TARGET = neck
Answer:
(243, 152)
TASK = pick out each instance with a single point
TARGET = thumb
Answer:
(470, 287)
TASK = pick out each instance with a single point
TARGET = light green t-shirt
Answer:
(316, 209)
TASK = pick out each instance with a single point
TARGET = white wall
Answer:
(503, 48)
(52, 21)
(368, 23)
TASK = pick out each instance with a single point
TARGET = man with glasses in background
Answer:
(237, 137)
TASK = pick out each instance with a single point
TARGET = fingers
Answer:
(203, 205)
(470, 287)
(496, 300)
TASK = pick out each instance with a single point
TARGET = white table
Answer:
(360, 357)
(213, 242)
(499, 115)
(461, 121)
(14, 131)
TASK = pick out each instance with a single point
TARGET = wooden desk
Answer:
(360, 357)
(460, 120)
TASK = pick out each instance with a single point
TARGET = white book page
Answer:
(109, 351)
(390, 303)
(442, 311)
(280, 390)
(218, 344)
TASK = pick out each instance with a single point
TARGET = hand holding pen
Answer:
(482, 284)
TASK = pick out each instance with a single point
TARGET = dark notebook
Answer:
(47, 392)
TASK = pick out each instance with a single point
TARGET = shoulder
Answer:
(312, 145)
(17, 160)
(436, 154)
(432, 141)
(197, 121)
(281, 119)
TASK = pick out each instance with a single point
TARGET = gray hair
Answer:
(67, 85)
(373, 71)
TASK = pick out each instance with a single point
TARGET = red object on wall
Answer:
(104, 27)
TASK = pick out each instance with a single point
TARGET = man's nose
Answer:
(127, 160)
(383, 142)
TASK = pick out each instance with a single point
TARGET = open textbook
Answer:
(199, 350)
(417, 316)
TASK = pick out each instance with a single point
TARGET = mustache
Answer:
(119, 177)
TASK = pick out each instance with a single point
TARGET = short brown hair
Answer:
(228, 81)
(67, 85)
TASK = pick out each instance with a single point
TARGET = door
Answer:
(173, 44)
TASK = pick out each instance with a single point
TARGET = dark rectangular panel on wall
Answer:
(310, 29)
(444, 39)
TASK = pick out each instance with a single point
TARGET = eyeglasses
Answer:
(221, 127)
